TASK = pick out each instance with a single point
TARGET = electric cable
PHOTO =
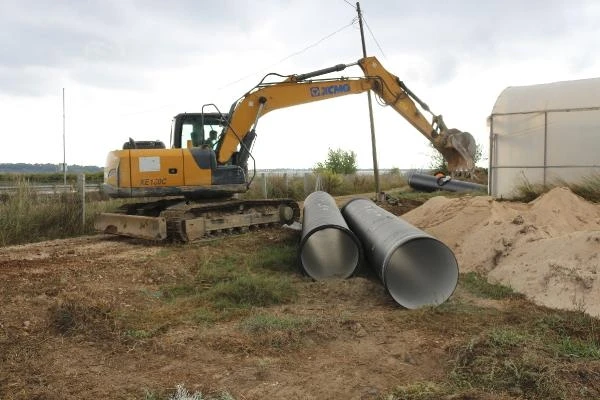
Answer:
(350, 4)
(354, 20)
(373, 36)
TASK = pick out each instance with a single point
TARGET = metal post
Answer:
(83, 202)
(491, 157)
(306, 187)
(373, 142)
(264, 176)
(64, 145)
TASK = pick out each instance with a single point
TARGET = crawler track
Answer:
(184, 221)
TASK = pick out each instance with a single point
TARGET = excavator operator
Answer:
(212, 139)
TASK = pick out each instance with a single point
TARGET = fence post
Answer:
(264, 176)
(306, 187)
(318, 183)
(285, 179)
(81, 188)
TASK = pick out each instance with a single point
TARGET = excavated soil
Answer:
(362, 346)
(546, 249)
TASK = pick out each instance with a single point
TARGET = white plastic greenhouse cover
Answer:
(565, 95)
(544, 134)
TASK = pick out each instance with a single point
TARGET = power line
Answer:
(320, 40)
(350, 4)
(354, 20)
(373, 36)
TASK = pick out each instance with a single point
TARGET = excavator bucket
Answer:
(458, 148)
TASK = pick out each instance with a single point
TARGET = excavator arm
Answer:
(458, 148)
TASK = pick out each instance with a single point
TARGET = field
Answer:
(231, 317)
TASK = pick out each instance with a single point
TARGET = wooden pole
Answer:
(371, 120)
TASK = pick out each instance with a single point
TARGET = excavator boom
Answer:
(457, 147)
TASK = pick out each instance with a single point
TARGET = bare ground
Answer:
(74, 324)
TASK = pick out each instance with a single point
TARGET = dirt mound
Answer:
(547, 249)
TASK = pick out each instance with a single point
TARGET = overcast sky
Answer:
(129, 66)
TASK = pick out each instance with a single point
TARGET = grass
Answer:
(262, 323)
(93, 318)
(529, 357)
(588, 188)
(181, 393)
(251, 291)
(418, 391)
(479, 286)
(298, 187)
(278, 332)
(507, 337)
(516, 351)
(27, 216)
(577, 348)
(507, 361)
(570, 324)
(275, 258)
(234, 284)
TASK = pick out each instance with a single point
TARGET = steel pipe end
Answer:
(330, 253)
(420, 272)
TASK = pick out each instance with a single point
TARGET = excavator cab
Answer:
(188, 169)
(197, 128)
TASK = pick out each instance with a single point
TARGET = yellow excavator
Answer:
(196, 180)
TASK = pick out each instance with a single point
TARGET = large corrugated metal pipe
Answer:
(428, 183)
(328, 249)
(416, 269)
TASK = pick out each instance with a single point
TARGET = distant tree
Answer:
(395, 171)
(338, 162)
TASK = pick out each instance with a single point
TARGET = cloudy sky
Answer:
(128, 66)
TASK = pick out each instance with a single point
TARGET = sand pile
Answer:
(547, 249)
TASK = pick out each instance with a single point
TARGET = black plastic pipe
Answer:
(428, 183)
(415, 268)
(328, 249)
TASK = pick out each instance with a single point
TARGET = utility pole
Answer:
(373, 142)
(64, 145)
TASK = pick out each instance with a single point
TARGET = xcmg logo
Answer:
(316, 91)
